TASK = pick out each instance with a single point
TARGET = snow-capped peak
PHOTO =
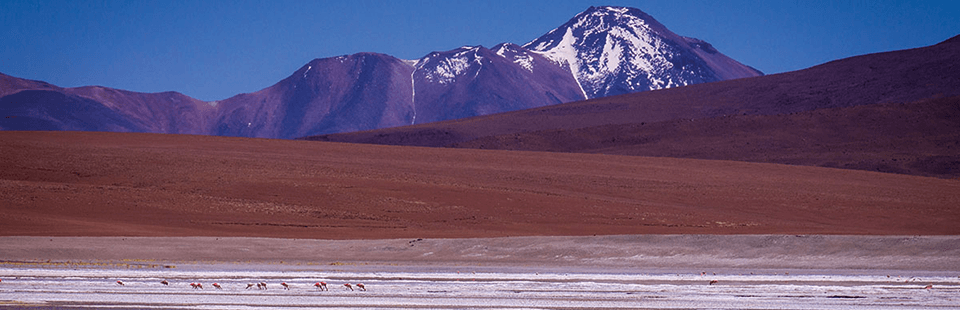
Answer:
(615, 50)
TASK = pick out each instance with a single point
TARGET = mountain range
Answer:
(600, 52)
(894, 112)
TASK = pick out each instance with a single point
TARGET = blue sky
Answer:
(214, 49)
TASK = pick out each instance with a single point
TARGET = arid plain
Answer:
(121, 184)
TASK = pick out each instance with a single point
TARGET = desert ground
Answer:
(125, 184)
(456, 228)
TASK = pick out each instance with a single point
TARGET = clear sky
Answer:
(214, 49)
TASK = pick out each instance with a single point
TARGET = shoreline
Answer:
(616, 252)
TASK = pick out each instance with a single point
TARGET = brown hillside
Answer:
(123, 184)
(920, 138)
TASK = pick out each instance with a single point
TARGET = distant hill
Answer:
(918, 138)
(872, 112)
(36, 105)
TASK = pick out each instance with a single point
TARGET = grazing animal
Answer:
(322, 286)
(712, 282)
(197, 286)
(285, 286)
(164, 282)
(263, 285)
(217, 285)
(347, 285)
(120, 283)
(251, 285)
(361, 287)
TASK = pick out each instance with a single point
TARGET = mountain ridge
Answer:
(164, 112)
(367, 91)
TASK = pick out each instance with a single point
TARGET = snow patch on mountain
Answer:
(517, 55)
(564, 53)
(448, 69)
(308, 70)
(444, 68)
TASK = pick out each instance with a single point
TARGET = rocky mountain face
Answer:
(600, 52)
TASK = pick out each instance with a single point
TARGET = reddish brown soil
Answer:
(121, 184)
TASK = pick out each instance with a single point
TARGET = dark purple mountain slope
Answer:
(918, 138)
(167, 112)
(55, 110)
(9, 84)
(346, 93)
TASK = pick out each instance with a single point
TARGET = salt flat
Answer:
(603, 272)
(46, 288)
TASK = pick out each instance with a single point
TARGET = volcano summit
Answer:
(616, 50)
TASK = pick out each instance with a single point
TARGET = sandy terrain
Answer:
(113, 184)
